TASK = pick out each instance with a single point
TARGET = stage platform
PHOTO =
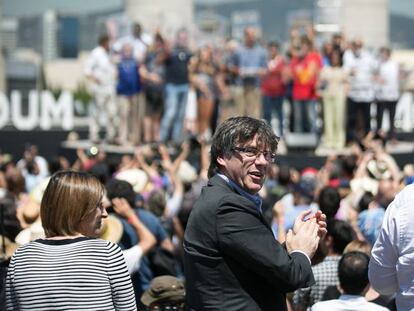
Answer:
(54, 142)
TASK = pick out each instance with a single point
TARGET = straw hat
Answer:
(378, 169)
(186, 173)
(112, 229)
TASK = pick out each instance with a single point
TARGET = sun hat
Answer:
(136, 177)
(112, 229)
(164, 288)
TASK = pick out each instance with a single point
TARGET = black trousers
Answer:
(357, 111)
(381, 107)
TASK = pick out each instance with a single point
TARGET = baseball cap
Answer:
(164, 288)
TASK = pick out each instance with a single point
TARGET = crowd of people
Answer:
(154, 90)
(145, 209)
(219, 222)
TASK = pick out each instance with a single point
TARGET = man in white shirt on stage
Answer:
(101, 74)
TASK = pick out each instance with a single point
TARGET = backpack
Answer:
(162, 262)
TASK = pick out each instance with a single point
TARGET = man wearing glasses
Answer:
(232, 260)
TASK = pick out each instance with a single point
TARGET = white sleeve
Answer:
(90, 64)
(174, 205)
(133, 257)
(117, 46)
(384, 256)
(319, 306)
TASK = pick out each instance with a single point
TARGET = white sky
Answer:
(34, 7)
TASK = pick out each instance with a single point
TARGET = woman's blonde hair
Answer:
(69, 197)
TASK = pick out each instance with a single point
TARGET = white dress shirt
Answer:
(391, 268)
(347, 303)
(361, 69)
(99, 66)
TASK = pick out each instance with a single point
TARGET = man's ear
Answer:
(221, 161)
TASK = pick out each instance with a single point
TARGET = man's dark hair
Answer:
(349, 164)
(365, 200)
(103, 39)
(273, 44)
(329, 200)
(238, 131)
(353, 272)
(120, 189)
(341, 233)
(306, 41)
(156, 202)
(284, 175)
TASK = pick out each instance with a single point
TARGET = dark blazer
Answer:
(232, 260)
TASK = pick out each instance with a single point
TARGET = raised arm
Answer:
(146, 238)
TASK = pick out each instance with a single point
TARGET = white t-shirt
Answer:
(388, 85)
(133, 257)
(347, 303)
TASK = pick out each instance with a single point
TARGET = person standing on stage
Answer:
(131, 98)
(388, 90)
(101, 74)
(231, 259)
(251, 65)
(176, 88)
(361, 68)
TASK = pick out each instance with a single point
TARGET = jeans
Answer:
(305, 116)
(174, 111)
(273, 104)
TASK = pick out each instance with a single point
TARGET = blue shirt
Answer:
(250, 60)
(129, 82)
(142, 278)
(370, 222)
(255, 198)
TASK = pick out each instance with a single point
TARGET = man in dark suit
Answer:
(232, 260)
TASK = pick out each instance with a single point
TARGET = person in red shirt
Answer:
(304, 70)
(273, 86)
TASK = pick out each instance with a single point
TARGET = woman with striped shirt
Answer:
(70, 269)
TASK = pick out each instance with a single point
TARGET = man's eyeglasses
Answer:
(251, 152)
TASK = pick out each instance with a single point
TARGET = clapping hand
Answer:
(305, 216)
